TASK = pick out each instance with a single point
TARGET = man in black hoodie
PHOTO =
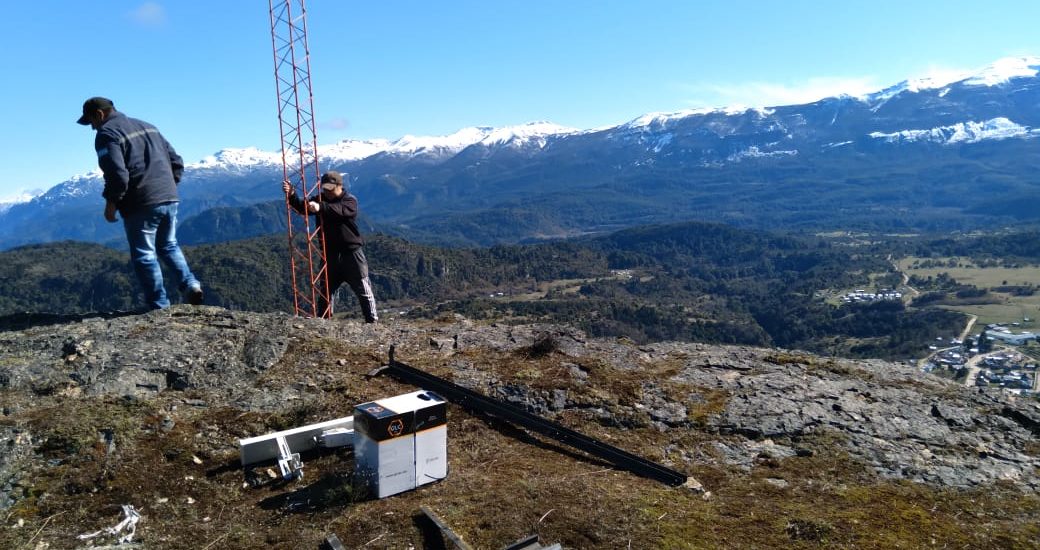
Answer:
(141, 175)
(336, 213)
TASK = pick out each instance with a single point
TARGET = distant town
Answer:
(995, 359)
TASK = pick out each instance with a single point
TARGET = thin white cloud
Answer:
(149, 14)
(769, 94)
(334, 124)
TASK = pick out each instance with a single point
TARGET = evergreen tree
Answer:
(985, 343)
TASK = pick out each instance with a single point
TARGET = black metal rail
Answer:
(472, 400)
(444, 530)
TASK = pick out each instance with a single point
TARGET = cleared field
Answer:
(967, 273)
(569, 286)
(1011, 309)
(1004, 314)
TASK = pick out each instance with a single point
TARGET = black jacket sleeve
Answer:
(176, 162)
(113, 166)
(296, 204)
(342, 210)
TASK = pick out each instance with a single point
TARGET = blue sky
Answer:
(202, 70)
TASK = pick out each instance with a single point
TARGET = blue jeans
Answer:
(151, 232)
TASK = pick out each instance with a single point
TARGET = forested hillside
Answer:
(1018, 245)
(65, 277)
(689, 282)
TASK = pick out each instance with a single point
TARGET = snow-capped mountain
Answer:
(248, 159)
(1000, 72)
(955, 151)
(25, 196)
(440, 147)
(237, 160)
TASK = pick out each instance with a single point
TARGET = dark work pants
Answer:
(351, 267)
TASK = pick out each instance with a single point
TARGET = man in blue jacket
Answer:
(141, 175)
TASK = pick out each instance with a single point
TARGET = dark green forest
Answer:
(1022, 245)
(690, 281)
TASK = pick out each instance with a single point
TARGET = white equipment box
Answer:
(400, 442)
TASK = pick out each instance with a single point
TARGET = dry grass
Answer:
(503, 483)
(968, 273)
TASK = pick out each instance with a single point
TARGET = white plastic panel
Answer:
(265, 447)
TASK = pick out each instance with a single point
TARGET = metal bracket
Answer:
(335, 437)
(288, 462)
(445, 530)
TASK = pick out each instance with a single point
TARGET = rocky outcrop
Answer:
(748, 404)
(903, 423)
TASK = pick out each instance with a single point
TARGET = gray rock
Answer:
(954, 416)
(16, 450)
(442, 343)
(260, 352)
(757, 406)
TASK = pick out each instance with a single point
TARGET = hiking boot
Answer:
(195, 296)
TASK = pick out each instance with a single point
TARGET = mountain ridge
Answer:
(715, 164)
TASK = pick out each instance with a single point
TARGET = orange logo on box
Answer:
(395, 428)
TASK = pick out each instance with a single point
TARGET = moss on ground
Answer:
(503, 484)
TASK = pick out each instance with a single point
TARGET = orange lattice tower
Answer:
(292, 73)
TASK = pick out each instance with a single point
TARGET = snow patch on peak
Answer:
(659, 119)
(655, 121)
(348, 150)
(533, 132)
(754, 152)
(1003, 70)
(999, 72)
(80, 185)
(94, 174)
(237, 158)
(22, 197)
(352, 149)
(962, 132)
(914, 85)
(439, 145)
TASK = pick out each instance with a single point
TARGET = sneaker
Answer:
(195, 296)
